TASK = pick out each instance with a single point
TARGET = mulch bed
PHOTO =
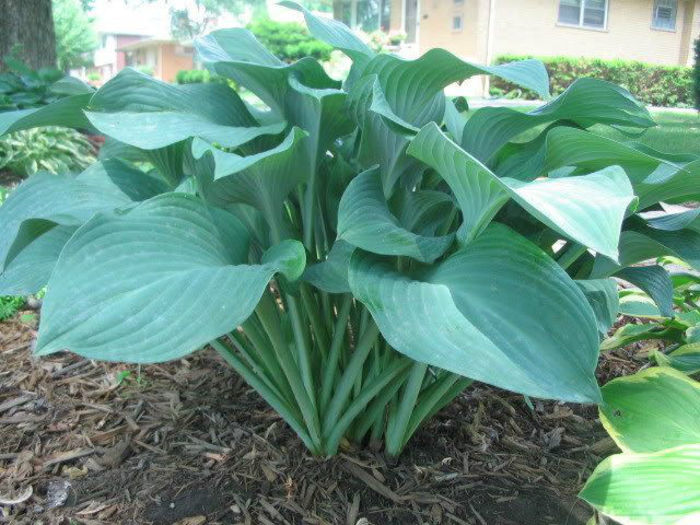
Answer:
(190, 443)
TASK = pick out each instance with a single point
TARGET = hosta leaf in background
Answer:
(66, 112)
(653, 280)
(331, 275)
(658, 488)
(499, 311)
(640, 243)
(262, 180)
(652, 410)
(120, 290)
(365, 221)
(638, 304)
(585, 102)
(27, 271)
(70, 201)
(139, 110)
(654, 178)
(588, 209)
(685, 359)
(603, 297)
(237, 54)
(677, 219)
(333, 32)
(62, 199)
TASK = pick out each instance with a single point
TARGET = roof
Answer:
(118, 17)
(149, 42)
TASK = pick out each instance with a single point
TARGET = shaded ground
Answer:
(189, 442)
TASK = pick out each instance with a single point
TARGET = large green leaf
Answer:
(139, 110)
(588, 209)
(604, 299)
(333, 32)
(66, 112)
(365, 221)
(262, 180)
(585, 102)
(392, 96)
(653, 177)
(331, 275)
(499, 310)
(640, 243)
(70, 201)
(28, 269)
(659, 488)
(686, 358)
(652, 410)
(237, 54)
(653, 280)
(157, 282)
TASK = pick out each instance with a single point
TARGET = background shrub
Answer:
(697, 74)
(52, 149)
(289, 41)
(22, 88)
(652, 84)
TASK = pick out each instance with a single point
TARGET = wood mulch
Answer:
(189, 442)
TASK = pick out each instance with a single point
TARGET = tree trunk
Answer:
(26, 31)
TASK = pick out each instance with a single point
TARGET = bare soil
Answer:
(189, 442)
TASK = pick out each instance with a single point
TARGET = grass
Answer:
(675, 133)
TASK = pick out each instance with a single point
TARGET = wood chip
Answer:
(372, 482)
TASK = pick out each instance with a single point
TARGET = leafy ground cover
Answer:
(193, 444)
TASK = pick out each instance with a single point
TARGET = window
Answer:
(457, 23)
(664, 16)
(584, 13)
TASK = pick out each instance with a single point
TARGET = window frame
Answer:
(460, 17)
(654, 8)
(581, 15)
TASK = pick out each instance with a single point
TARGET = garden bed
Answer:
(190, 442)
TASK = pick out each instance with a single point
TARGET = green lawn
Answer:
(675, 133)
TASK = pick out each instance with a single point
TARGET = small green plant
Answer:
(669, 305)
(9, 306)
(22, 88)
(696, 74)
(52, 149)
(357, 251)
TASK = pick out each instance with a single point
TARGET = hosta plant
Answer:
(359, 251)
(678, 329)
(654, 418)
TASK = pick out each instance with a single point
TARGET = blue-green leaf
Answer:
(157, 282)
(499, 311)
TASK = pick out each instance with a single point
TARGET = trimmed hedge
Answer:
(289, 41)
(652, 84)
(697, 74)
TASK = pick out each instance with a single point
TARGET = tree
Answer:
(194, 18)
(74, 34)
(27, 32)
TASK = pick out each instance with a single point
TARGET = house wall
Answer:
(436, 18)
(396, 17)
(123, 40)
(173, 58)
(691, 33)
(530, 27)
